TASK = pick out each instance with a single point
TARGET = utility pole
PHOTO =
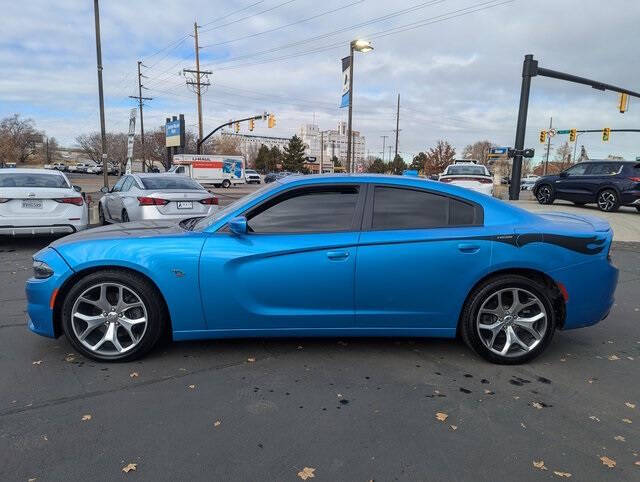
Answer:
(546, 162)
(397, 124)
(105, 171)
(384, 140)
(198, 82)
(390, 153)
(321, 150)
(140, 99)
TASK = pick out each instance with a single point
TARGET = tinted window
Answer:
(605, 168)
(118, 185)
(398, 208)
(32, 180)
(466, 170)
(127, 184)
(170, 182)
(310, 210)
(577, 170)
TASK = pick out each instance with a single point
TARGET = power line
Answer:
(232, 13)
(249, 16)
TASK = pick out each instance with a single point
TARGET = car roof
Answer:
(23, 170)
(624, 161)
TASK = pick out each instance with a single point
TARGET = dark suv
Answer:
(610, 184)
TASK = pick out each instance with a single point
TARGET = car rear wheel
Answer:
(125, 216)
(608, 200)
(113, 315)
(226, 183)
(508, 319)
(544, 194)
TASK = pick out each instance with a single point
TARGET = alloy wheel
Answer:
(544, 195)
(607, 200)
(512, 322)
(109, 319)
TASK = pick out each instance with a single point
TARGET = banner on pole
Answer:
(346, 64)
(130, 139)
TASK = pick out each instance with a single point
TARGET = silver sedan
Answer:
(137, 197)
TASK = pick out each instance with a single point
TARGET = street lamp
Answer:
(358, 46)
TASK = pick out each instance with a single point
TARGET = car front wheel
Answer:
(113, 315)
(544, 194)
(508, 319)
(608, 200)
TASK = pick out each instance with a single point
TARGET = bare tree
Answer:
(479, 151)
(18, 138)
(49, 149)
(439, 157)
(563, 156)
(227, 145)
(91, 145)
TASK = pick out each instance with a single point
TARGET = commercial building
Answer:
(329, 143)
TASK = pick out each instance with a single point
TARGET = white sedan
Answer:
(469, 175)
(39, 201)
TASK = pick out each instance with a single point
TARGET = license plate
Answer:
(185, 205)
(32, 204)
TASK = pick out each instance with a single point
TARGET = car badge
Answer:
(32, 194)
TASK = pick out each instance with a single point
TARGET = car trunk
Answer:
(182, 202)
(33, 201)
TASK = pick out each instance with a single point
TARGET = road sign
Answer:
(499, 150)
(564, 131)
(552, 132)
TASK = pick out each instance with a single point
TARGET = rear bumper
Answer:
(34, 230)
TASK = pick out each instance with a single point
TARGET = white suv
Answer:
(470, 175)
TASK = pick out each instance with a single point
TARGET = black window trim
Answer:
(356, 222)
(367, 218)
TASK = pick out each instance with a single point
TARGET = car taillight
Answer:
(209, 201)
(152, 201)
(634, 179)
(486, 181)
(78, 201)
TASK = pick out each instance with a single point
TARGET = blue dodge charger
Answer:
(338, 255)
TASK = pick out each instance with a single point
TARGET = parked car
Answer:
(251, 176)
(332, 255)
(80, 167)
(97, 169)
(40, 201)
(10, 165)
(137, 197)
(469, 175)
(609, 184)
(55, 165)
(274, 176)
(527, 183)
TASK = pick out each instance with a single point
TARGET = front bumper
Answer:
(41, 293)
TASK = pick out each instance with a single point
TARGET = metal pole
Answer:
(384, 139)
(321, 151)
(546, 162)
(195, 35)
(105, 170)
(144, 154)
(397, 125)
(575, 145)
(349, 160)
(529, 67)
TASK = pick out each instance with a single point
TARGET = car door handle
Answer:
(468, 248)
(337, 255)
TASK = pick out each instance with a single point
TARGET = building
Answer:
(324, 145)
(250, 144)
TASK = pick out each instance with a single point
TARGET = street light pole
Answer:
(349, 160)
(105, 170)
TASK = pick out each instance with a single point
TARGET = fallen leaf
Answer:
(129, 467)
(608, 462)
(536, 405)
(306, 473)
(523, 425)
(441, 416)
(86, 417)
(454, 427)
(299, 347)
(627, 420)
(619, 438)
(630, 358)
(44, 437)
(133, 375)
(613, 357)
(343, 343)
(562, 474)
(593, 417)
(516, 398)
(37, 362)
(70, 357)
(31, 480)
(539, 464)
(192, 387)
(637, 462)
(590, 380)
(630, 405)
(251, 360)
(563, 359)
(217, 423)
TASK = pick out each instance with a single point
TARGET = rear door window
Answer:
(605, 168)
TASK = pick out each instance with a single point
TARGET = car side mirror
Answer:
(563, 174)
(104, 189)
(238, 225)
(77, 188)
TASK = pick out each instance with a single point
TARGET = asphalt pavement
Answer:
(352, 409)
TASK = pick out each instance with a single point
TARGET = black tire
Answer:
(226, 183)
(638, 208)
(125, 216)
(545, 194)
(469, 318)
(102, 220)
(608, 200)
(156, 312)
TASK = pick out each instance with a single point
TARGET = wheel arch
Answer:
(76, 276)
(557, 298)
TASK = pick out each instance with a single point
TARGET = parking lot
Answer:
(351, 409)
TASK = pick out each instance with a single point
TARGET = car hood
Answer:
(140, 229)
(550, 177)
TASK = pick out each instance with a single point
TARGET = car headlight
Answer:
(41, 270)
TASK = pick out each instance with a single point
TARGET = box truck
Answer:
(210, 169)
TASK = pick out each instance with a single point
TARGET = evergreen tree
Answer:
(397, 165)
(275, 162)
(378, 166)
(293, 160)
(263, 159)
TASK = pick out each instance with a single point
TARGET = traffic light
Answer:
(237, 127)
(272, 121)
(543, 137)
(623, 103)
(573, 135)
(251, 122)
(605, 134)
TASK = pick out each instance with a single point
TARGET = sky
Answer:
(455, 63)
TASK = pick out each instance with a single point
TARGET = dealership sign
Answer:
(174, 132)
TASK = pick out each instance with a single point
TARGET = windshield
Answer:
(170, 182)
(466, 170)
(209, 220)
(32, 180)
